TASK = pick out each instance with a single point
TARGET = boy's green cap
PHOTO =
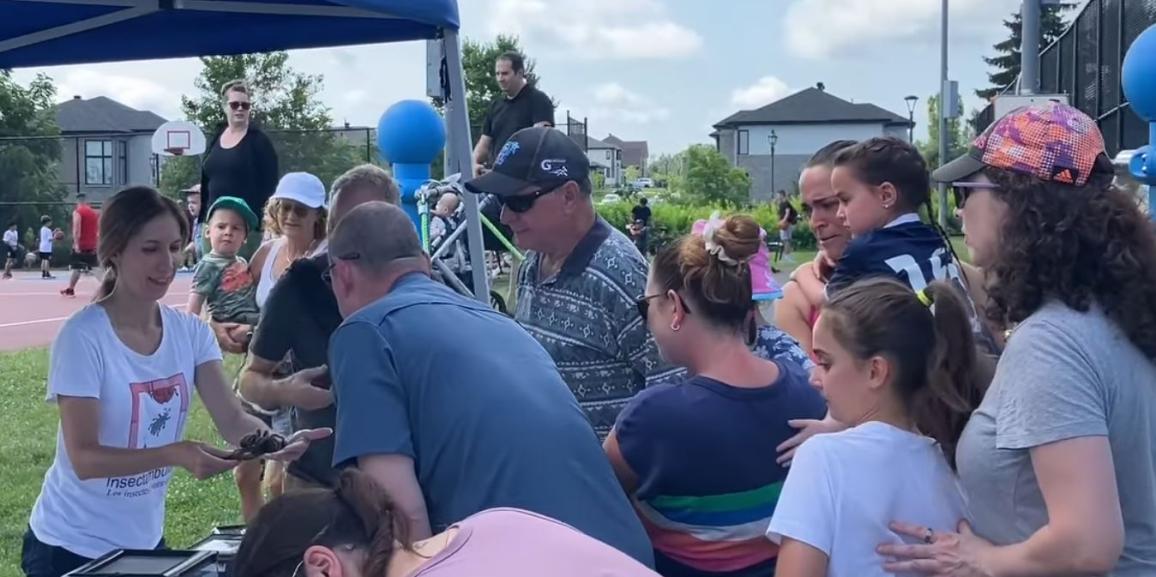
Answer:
(237, 205)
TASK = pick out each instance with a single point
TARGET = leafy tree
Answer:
(957, 131)
(632, 173)
(285, 105)
(28, 164)
(710, 179)
(1006, 63)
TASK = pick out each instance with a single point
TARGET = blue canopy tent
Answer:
(56, 32)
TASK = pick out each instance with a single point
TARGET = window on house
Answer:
(744, 142)
(98, 162)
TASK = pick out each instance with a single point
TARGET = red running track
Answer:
(32, 310)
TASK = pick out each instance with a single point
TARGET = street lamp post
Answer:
(911, 100)
(773, 139)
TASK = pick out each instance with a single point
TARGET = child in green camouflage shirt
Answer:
(222, 279)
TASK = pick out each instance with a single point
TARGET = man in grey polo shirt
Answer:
(579, 285)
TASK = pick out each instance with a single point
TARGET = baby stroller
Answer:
(447, 244)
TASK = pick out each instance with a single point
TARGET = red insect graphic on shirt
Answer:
(151, 404)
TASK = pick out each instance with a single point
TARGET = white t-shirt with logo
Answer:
(843, 489)
(144, 402)
(45, 239)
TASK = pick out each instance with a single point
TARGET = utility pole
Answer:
(944, 97)
(1030, 47)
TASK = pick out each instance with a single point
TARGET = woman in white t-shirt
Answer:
(123, 372)
(899, 368)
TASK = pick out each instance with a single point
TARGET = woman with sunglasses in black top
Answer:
(240, 161)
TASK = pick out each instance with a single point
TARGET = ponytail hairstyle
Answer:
(357, 513)
(927, 339)
(890, 159)
(126, 213)
(712, 271)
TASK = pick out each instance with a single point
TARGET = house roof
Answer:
(813, 106)
(595, 144)
(103, 115)
(634, 152)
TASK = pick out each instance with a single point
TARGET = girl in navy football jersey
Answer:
(881, 183)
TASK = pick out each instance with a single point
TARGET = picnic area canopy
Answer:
(54, 32)
(58, 32)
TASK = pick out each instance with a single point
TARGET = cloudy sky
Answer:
(655, 70)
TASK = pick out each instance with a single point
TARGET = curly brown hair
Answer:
(1077, 244)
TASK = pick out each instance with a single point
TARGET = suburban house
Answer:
(634, 152)
(105, 146)
(773, 142)
(605, 158)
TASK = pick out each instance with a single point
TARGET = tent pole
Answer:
(459, 157)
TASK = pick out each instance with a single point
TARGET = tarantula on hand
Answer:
(256, 444)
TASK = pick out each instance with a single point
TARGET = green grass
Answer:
(27, 442)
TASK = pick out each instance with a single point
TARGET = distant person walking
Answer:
(45, 248)
(521, 105)
(640, 228)
(84, 236)
(11, 248)
(788, 217)
(240, 162)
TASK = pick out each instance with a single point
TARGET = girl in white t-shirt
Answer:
(899, 368)
(123, 373)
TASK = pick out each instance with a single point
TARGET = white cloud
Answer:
(819, 29)
(764, 91)
(617, 104)
(596, 29)
(134, 91)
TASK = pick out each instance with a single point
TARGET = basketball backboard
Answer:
(178, 138)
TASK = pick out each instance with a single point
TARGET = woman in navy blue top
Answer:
(698, 457)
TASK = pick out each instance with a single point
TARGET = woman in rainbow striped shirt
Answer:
(698, 457)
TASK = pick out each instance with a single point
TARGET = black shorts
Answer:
(12, 252)
(45, 255)
(82, 260)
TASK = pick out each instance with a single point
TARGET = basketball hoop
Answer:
(178, 138)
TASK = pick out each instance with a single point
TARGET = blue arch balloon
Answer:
(410, 136)
(1138, 79)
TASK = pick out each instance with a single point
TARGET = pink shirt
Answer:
(517, 543)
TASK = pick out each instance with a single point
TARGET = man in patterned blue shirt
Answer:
(579, 285)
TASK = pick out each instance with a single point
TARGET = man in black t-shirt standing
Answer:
(520, 105)
(640, 228)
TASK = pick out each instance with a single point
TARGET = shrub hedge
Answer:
(670, 221)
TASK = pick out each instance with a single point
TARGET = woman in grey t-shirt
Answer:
(1059, 462)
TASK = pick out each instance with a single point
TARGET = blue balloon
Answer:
(1138, 75)
(411, 132)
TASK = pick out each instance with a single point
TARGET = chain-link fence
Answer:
(40, 176)
(49, 169)
(1084, 63)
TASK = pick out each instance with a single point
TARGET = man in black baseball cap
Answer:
(581, 277)
(533, 156)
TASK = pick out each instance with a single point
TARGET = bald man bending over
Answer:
(297, 320)
(451, 406)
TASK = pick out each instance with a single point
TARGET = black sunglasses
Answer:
(238, 105)
(523, 202)
(961, 190)
(285, 207)
(327, 274)
(643, 304)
